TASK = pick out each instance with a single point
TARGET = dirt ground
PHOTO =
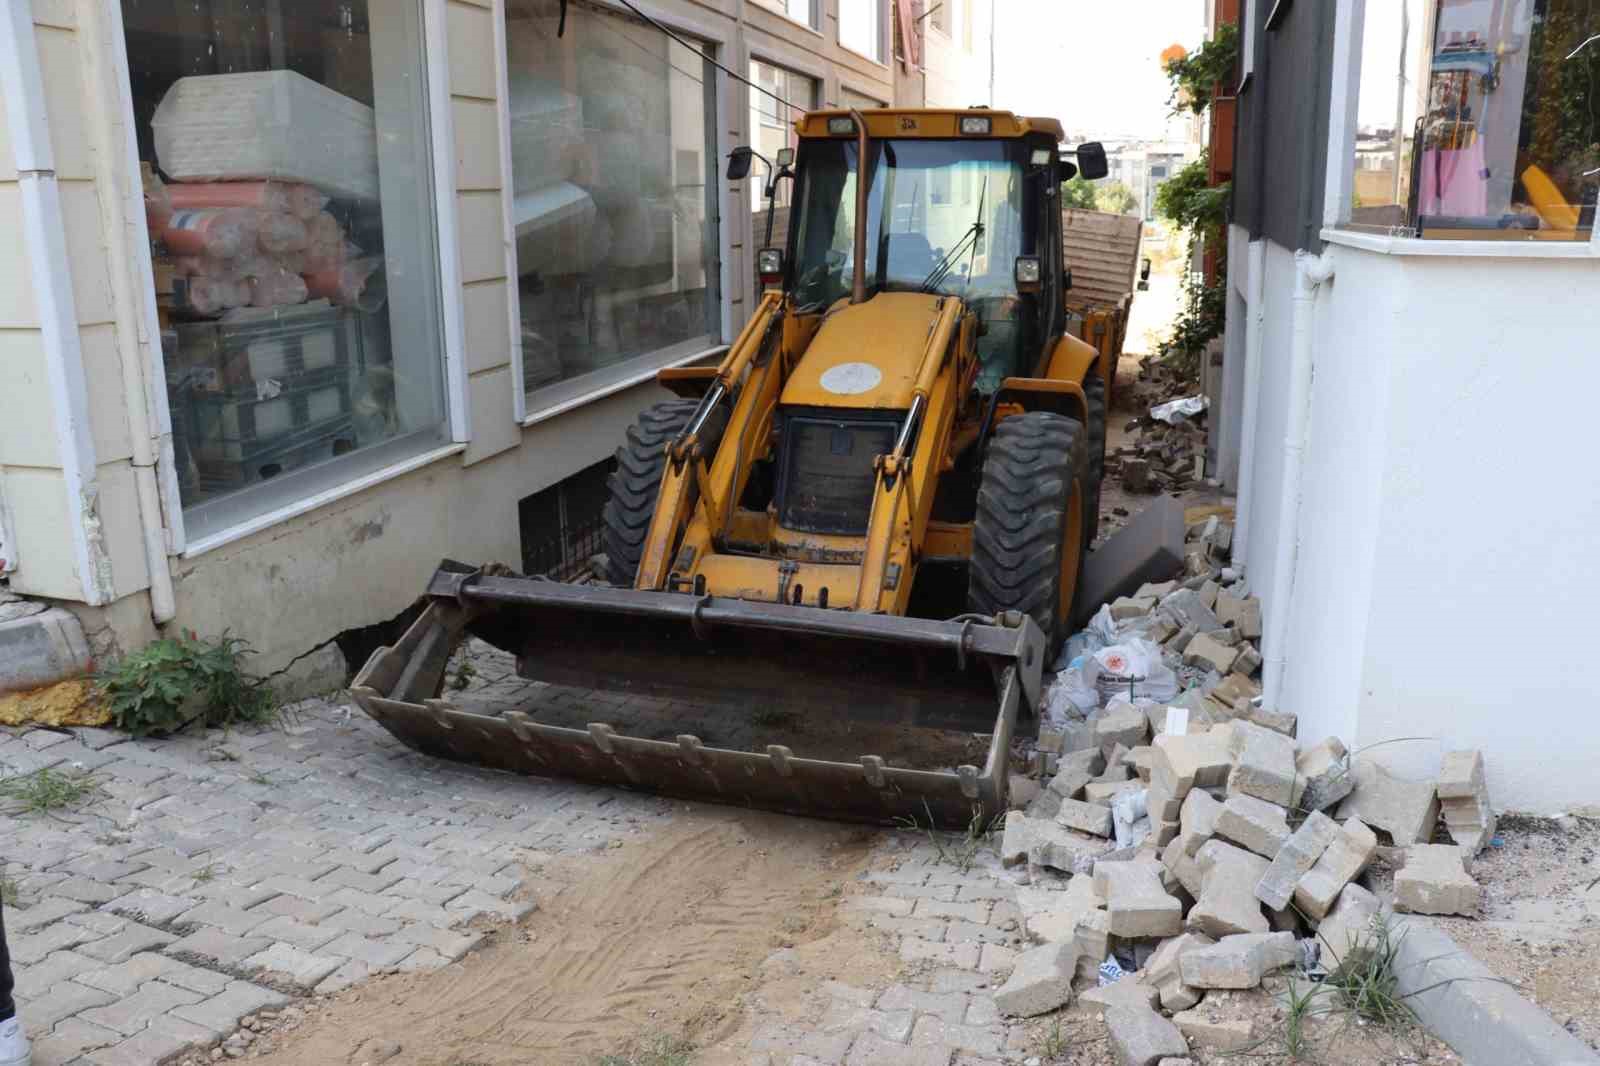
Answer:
(663, 936)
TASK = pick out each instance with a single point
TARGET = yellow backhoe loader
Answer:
(862, 530)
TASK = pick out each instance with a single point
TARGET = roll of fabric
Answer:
(261, 195)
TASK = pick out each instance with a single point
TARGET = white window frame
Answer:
(814, 22)
(1247, 44)
(1343, 104)
(560, 397)
(885, 28)
(438, 129)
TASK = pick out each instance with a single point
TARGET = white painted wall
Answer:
(1446, 570)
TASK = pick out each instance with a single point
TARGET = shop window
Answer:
(861, 27)
(613, 158)
(287, 172)
(1497, 132)
(806, 12)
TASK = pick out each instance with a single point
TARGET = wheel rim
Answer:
(1071, 549)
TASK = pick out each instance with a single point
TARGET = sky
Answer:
(1093, 64)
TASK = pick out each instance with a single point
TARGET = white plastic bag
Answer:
(1133, 668)
(1070, 696)
(1175, 411)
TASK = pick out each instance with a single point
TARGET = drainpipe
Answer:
(1310, 272)
(1254, 284)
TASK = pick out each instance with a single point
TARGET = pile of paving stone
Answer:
(1158, 456)
(1176, 856)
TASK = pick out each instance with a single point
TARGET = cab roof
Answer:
(929, 122)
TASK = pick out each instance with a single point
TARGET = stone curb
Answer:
(1485, 1020)
(41, 649)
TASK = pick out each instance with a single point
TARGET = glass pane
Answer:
(1510, 130)
(288, 189)
(851, 98)
(772, 129)
(611, 150)
(799, 10)
(859, 28)
(1393, 86)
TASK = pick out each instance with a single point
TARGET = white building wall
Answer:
(1272, 402)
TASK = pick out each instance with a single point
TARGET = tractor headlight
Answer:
(975, 125)
(844, 124)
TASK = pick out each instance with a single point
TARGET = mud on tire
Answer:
(636, 483)
(1021, 533)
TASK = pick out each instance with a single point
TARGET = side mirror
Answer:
(785, 158)
(739, 164)
(1092, 160)
(1069, 170)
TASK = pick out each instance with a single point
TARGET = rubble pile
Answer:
(1166, 450)
(1186, 844)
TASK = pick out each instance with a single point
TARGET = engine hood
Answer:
(866, 355)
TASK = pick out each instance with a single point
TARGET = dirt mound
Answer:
(663, 936)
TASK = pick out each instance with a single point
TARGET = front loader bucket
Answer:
(845, 675)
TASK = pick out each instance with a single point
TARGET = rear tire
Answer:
(636, 483)
(1094, 390)
(1027, 538)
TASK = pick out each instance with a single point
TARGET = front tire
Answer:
(1027, 538)
(1094, 391)
(636, 483)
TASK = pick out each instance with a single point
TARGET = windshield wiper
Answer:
(941, 269)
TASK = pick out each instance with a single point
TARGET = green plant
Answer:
(464, 675)
(963, 849)
(1115, 198)
(175, 681)
(1367, 978)
(652, 1051)
(9, 893)
(1190, 200)
(1204, 71)
(1078, 192)
(1053, 1042)
(206, 874)
(1300, 1000)
(46, 790)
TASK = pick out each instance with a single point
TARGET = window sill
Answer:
(862, 55)
(1416, 246)
(559, 398)
(221, 537)
(790, 19)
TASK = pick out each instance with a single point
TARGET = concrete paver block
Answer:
(1322, 775)
(1226, 903)
(1051, 917)
(1254, 824)
(1263, 763)
(1221, 1034)
(1198, 820)
(1076, 769)
(1434, 880)
(1298, 854)
(1243, 613)
(1061, 848)
(1209, 653)
(1041, 980)
(1142, 1037)
(1181, 763)
(1101, 793)
(1406, 810)
(1235, 689)
(1127, 993)
(1125, 607)
(1182, 867)
(1349, 854)
(1085, 817)
(1348, 925)
(1464, 800)
(1238, 961)
(1163, 972)
(1136, 903)
(1126, 726)
(1016, 840)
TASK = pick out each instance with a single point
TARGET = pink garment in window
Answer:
(1453, 182)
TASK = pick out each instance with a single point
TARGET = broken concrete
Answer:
(1183, 867)
(1234, 690)
(1143, 1037)
(1434, 880)
(1040, 982)
(1163, 973)
(1198, 820)
(1187, 610)
(1127, 993)
(1464, 800)
(1101, 793)
(1350, 853)
(1061, 848)
(1322, 776)
(1136, 903)
(1085, 817)
(1160, 803)
(1075, 770)
(1263, 763)
(1226, 903)
(1209, 653)
(1017, 839)
(1238, 961)
(1126, 726)
(1298, 854)
(40, 648)
(1406, 810)
(1125, 607)
(1254, 824)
